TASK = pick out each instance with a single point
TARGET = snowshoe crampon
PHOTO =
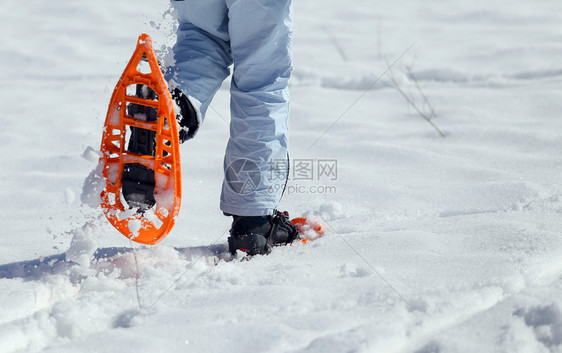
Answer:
(140, 146)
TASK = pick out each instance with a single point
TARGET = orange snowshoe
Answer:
(140, 146)
(310, 228)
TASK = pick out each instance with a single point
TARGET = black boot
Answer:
(258, 234)
(138, 181)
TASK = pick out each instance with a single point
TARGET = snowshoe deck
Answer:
(143, 178)
(310, 228)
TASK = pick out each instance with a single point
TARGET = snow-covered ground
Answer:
(434, 244)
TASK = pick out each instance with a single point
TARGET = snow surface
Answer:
(433, 244)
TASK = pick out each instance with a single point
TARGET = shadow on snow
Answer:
(36, 269)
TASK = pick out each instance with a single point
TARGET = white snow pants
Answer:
(255, 36)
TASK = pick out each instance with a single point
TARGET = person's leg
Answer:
(256, 160)
(202, 52)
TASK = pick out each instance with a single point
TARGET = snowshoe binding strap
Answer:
(282, 230)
